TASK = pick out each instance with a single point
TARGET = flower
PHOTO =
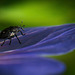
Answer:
(29, 58)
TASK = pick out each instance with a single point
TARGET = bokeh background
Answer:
(36, 13)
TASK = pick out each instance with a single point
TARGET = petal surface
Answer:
(30, 65)
(43, 40)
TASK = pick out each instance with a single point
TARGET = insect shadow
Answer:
(11, 32)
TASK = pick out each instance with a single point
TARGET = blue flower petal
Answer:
(29, 65)
(44, 40)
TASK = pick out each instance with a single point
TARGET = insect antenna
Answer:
(22, 27)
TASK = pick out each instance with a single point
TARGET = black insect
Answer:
(10, 32)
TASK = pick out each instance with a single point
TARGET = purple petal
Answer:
(29, 65)
(44, 40)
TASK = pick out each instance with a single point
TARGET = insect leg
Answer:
(22, 28)
(21, 32)
(3, 43)
(18, 38)
(10, 41)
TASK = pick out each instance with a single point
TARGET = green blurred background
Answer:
(40, 13)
